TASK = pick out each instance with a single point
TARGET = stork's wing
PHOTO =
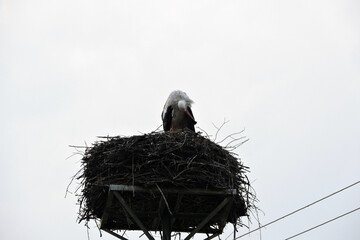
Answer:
(167, 118)
(190, 121)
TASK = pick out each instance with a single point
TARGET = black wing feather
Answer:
(167, 119)
(190, 121)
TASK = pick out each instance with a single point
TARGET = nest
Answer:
(178, 161)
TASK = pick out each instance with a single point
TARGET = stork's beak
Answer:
(188, 113)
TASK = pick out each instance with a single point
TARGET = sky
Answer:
(287, 72)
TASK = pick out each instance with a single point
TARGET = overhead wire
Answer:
(308, 230)
(293, 212)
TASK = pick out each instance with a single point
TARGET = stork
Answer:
(177, 114)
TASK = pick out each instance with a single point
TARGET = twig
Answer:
(230, 136)
(219, 128)
(162, 194)
(157, 128)
(73, 146)
(207, 135)
(232, 148)
(72, 179)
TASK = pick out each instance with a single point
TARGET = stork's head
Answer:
(178, 99)
(182, 105)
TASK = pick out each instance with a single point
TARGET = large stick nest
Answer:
(180, 160)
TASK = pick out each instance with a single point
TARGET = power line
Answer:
(323, 223)
(351, 185)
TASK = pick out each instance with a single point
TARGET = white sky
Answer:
(286, 71)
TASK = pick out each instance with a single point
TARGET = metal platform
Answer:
(166, 210)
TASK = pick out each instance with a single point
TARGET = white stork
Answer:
(177, 114)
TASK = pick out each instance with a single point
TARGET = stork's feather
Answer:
(167, 118)
(190, 121)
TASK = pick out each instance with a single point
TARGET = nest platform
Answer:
(168, 182)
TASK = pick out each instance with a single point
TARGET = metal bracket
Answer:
(210, 216)
(164, 217)
(115, 234)
(133, 215)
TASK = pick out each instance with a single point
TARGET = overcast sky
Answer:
(288, 72)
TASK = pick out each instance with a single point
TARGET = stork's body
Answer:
(177, 114)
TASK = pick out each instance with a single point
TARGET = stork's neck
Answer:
(182, 105)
